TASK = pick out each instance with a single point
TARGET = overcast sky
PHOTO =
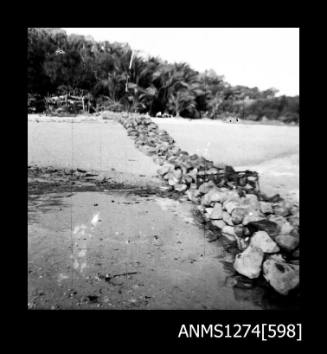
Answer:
(262, 57)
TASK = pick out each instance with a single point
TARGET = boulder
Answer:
(270, 227)
(164, 169)
(296, 254)
(282, 276)
(266, 207)
(173, 181)
(229, 233)
(208, 211)
(261, 239)
(168, 175)
(242, 243)
(238, 229)
(187, 179)
(232, 195)
(286, 228)
(193, 174)
(282, 208)
(295, 210)
(238, 215)
(252, 216)
(212, 171)
(230, 205)
(295, 232)
(213, 196)
(180, 187)
(178, 173)
(193, 195)
(248, 263)
(227, 218)
(251, 202)
(287, 242)
(218, 223)
(294, 220)
(248, 187)
(217, 212)
(205, 187)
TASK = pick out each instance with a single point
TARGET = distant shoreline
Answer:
(99, 117)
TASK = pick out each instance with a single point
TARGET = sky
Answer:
(262, 57)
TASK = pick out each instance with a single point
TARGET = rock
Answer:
(238, 215)
(295, 210)
(266, 207)
(230, 205)
(251, 202)
(286, 228)
(213, 196)
(208, 212)
(169, 175)
(248, 263)
(251, 216)
(217, 212)
(294, 262)
(193, 174)
(212, 171)
(270, 227)
(242, 244)
(205, 187)
(294, 220)
(166, 188)
(282, 208)
(229, 233)
(287, 242)
(227, 218)
(218, 223)
(239, 231)
(173, 181)
(282, 276)
(295, 232)
(232, 195)
(248, 187)
(178, 173)
(296, 254)
(187, 179)
(261, 239)
(180, 187)
(193, 195)
(164, 169)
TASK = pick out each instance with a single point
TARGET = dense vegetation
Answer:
(114, 77)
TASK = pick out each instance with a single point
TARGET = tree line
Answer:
(112, 76)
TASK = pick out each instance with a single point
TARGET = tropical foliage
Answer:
(117, 78)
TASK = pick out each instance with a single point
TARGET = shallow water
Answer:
(161, 259)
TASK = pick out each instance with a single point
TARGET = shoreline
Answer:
(174, 120)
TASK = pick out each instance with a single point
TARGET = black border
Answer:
(132, 327)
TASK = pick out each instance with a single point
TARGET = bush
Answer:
(35, 103)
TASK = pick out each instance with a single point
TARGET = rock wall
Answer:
(264, 229)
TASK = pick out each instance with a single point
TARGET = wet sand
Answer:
(157, 258)
(120, 243)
